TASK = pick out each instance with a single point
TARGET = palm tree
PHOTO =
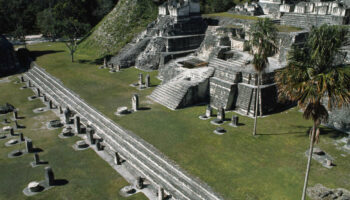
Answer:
(314, 74)
(263, 36)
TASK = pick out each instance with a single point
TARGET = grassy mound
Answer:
(119, 27)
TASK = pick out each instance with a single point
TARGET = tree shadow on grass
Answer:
(35, 54)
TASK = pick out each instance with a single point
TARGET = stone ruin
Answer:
(178, 31)
(220, 73)
(308, 14)
(303, 14)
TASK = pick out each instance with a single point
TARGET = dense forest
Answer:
(22, 17)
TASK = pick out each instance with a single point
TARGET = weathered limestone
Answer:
(50, 104)
(160, 193)
(99, 146)
(17, 126)
(38, 92)
(140, 81)
(45, 97)
(49, 176)
(234, 121)
(117, 159)
(36, 159)
(77, 125)
(221, 114)
(139, 183)
(34, 187)
(148, 81)
(66, 116)
(209, 111)
(60, 109)
(12, 132)
(105, 62)
(90, 135)
(29, 146)
(29, 83)
(21, 137)
(135, 102)
(15, 114)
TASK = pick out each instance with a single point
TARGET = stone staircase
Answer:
(187, 88)
(170, 94)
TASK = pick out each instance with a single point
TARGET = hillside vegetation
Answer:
(125, 21)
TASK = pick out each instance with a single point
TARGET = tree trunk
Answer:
(260, 99)
(256, 107)
(309, 159)
(72, 54)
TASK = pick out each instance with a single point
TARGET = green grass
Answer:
(237, 165)
(89, 176)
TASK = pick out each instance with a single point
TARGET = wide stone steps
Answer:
(170, 94)
(53, 95)
(142, 156)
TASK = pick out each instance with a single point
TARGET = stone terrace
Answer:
(141, 156)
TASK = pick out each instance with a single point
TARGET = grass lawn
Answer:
(89, 176)
(237, 165)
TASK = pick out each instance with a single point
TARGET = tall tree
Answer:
(314, 72)
(73, 30)
(263, 36)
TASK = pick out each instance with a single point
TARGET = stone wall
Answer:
(307, 21)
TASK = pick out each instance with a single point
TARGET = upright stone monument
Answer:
(29, 146)
(118, 68)
(140, 82)
(12, 132)
(49, 176)
(36, 159)
(135, 102)
(90, 135)
(139, 183)
(45, 97)
(21, 137)
(16, 124)
(66, 116)
(209, 111)
(22, 79)
(160, 193)
(148, 81)
(50, 105)
(117, 159)
(15, 114)
(105, 62)
(77, 124)
(29, 83)
(38, 92)
(234, 121)
(221, 114)
(99, 146)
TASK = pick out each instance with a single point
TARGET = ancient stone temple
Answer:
(220, 73)
(178, 31)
